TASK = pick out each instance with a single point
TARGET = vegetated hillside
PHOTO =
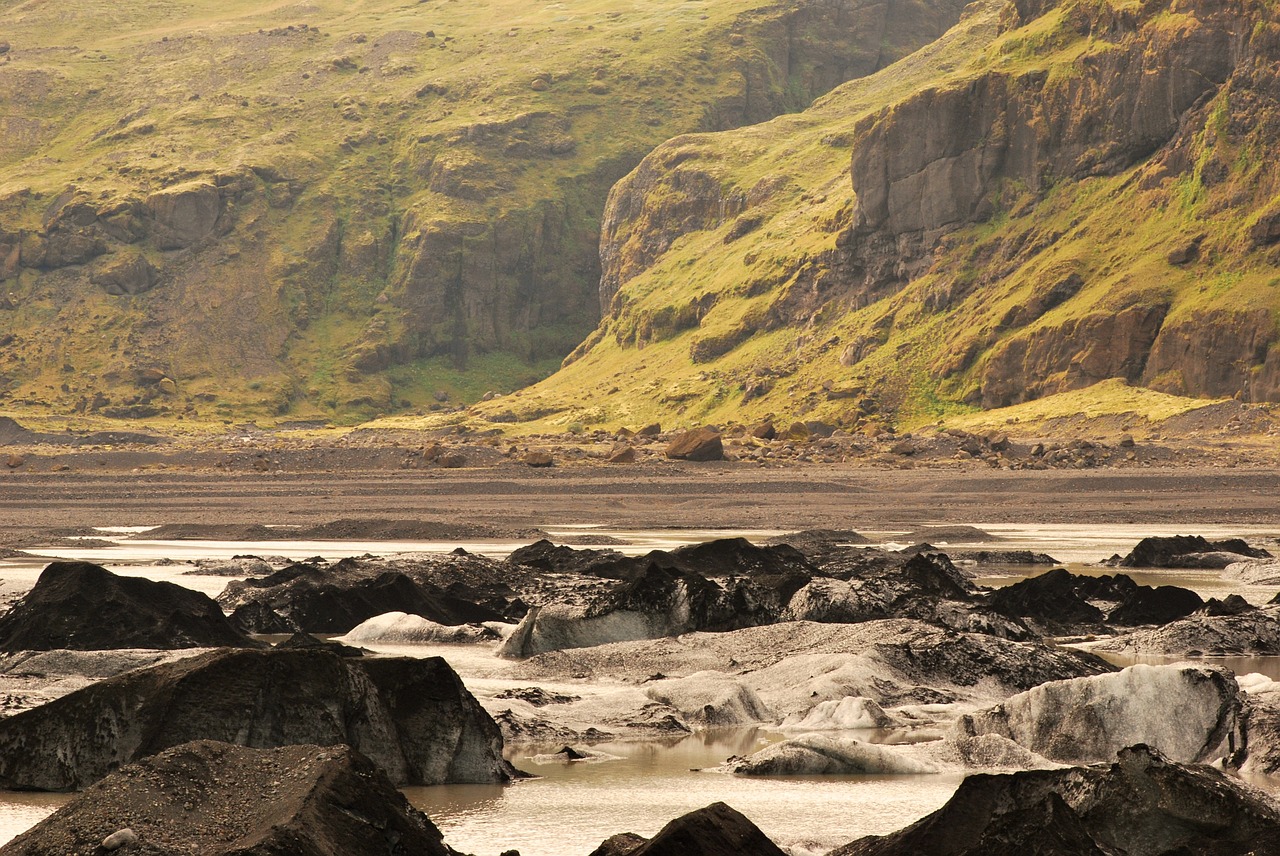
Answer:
(1049, 196)
(231, 209)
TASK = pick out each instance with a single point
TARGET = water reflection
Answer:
(571, 807)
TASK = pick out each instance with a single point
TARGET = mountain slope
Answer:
(230, 209)
(1047, 197)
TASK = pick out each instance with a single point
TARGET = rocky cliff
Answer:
(1051, 195)
(317, 210)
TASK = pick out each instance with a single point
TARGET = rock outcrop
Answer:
(337, 598)
(1140, 804)
(219, 799)
(717, 830)
(413, 718)
(1182, 551)
(1190, 714)
(83, 606)
(1061, 602)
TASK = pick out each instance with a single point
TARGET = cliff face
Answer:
(312, 210)
(1048, 196)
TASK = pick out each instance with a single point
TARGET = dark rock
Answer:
(700, 444)
(622, 454)
(82, 606)
(1158, 605)
(716, 830)
(257, 617)
(306, 640)
(1232, 604)
(337, 598)
(1060, 601)
(651, 430)
(1050, 597)
(764, 431)
(545, 556)
(536, 696)
(233, 800)
(1003, 557)
(622, 844)
(412, 717)
(1141, 804)
(1160, 552)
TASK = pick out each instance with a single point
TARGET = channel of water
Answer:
(571, 807)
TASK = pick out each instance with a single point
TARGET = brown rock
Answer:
(622, 454)
(15, 460)
(700, 444)
(764, 431)
(797, 431)
(185, 214)
(651, 430)
(538, 458)
(225, 799)
(540, 84)
(452, 460)
(125, 273)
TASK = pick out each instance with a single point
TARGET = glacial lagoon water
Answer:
(571, 807)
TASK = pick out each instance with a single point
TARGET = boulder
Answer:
(817, 755)
(538, 458)
(1188, 713)
(621, 454)
(1060, 601)
(125, 273)
(717, 830)
(82, 606)
(336, 599)
(218, 799)
(700, 444)
(411, 717)
(1251, 632)
(1178, 550)
(185, 214)
(1142, 805)
(546, 556)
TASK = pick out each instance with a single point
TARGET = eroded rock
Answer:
(216, 798)
(83, 606)
(412, 717)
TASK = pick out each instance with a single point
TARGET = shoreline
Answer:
(674, 495)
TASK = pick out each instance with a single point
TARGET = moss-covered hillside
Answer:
(222, 210)
(1049, 196)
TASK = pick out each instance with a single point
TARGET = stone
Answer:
(451, 460)
(539, 84)
(81, 606)
(185, 214)
(622, 454)
(218, 799)
(119, 839)
(412, 717)
(337, 598)
(1142, 803)
(1188, 713)
(15, 460)
(717, 830)
(764, 431)
(538, 458)
(653, 429)
(700, 444)
(125, 273)
(1165, 552)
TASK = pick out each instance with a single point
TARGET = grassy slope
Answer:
(120, 99)
(1116, 231)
